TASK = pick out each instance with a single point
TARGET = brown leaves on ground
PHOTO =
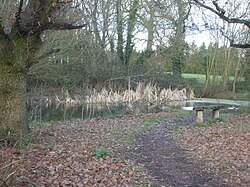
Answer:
(62, 155)
(224, 147)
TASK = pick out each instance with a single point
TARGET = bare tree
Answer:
(131, 26)
(231, 12)
(178, 39)
(147, 17)
(119, 26)
(176, 12)
(21, 24)
(101, 15)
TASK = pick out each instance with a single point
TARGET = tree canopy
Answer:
(232, 12)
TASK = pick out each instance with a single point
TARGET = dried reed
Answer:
(149, 93)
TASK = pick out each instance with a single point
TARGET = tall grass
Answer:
(149, 93)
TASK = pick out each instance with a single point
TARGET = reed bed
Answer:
(149, 93)
(144, 99)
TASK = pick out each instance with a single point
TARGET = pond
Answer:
(229, 104)
(53, 112)
(61, 112)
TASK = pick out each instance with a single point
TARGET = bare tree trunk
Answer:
(236, 74)
(106, 14)
(17, 54)
(247, 70)
(228, 60)
(13, 113)
(95, 24)
(131, 25)
(150, 28)
(119, 22)
(179, 39)
(209, 70)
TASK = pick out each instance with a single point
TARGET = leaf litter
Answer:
(224, 147)
(62, 153)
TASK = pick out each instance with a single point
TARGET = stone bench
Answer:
(199, 111)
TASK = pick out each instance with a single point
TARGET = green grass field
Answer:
(201, 77)
(242, 93)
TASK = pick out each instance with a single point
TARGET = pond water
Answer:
(53, 112)
(43, 113)
(210, 101)
(188, 105)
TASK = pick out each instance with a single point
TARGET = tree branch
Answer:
(187, 14)
(18, 14)
(221, 10)
(233, 44)
(34, 14)
(242, 46)
(61, 26)
(221, 13)
(38, 17)
(17, 17)
(2, 33)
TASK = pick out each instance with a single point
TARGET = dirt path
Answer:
(63, 155)
(166, 163)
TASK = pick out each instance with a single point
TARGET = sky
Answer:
(198, 18)
(197, 38)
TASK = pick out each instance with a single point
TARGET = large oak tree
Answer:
(22, 24)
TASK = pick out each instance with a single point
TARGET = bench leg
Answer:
(216, 113)
(199, 116)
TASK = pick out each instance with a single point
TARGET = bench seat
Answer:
(199, 111)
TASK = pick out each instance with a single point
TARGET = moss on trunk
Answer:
(13, 116)
(16, 55)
